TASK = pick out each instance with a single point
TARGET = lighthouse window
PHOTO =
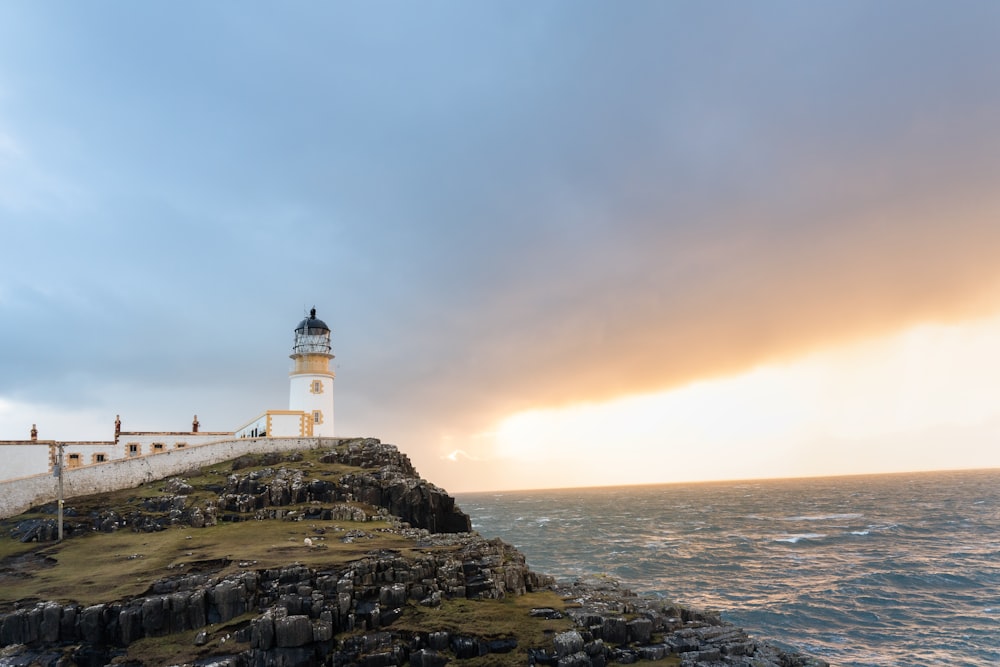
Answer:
(317, 417)
(317, 387)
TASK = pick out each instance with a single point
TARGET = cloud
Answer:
(495, 209)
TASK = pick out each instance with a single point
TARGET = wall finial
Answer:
(312, 313)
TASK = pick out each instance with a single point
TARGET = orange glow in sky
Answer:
(877, 405)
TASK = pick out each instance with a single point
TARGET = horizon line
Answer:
(732, 481)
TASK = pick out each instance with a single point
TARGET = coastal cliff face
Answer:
(338, 557)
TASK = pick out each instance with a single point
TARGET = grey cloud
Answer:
(492, 205)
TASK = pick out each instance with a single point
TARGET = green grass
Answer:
(488, 619)
(179, 648)
(498, 619)
(491, 619)
(11, 548)
(93, 567)
(107, 566)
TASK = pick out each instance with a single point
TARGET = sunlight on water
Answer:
(882, 570)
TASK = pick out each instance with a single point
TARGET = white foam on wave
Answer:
(861, 532)
(822, 517)
(795, 539)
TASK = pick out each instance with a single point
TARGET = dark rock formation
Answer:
(388, 483)
(615, 625)
(36, 530)
(298, 606)
(345, 614)
(301, 610)
(419, 503)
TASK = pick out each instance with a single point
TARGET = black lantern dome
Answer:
(312, 336)
(312, 326)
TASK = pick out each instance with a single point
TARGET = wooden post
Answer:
(60, 501)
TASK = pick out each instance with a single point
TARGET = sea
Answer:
(900, 569)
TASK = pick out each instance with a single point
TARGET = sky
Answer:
(563, 243)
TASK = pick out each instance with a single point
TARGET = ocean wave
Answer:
(917, 581)
(795, 539)
(823, 517)
(853, 570)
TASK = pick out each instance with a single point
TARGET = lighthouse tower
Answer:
(311, 377)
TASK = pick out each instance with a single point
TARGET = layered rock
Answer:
(616, 626)
(301, 610)
(298, 606)
(388, 485)
(345, 615)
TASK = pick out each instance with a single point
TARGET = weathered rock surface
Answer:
(616, 626)
(389, 484)
(299, 606)
(344, 615)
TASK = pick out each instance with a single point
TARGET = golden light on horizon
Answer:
(865, 407)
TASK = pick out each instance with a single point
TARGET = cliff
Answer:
(325, 557)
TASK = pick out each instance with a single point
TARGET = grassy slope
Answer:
(102, 567)
(97, 567)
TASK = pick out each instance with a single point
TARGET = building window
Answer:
(316, 387)
(180, 445)
(157, 446)
(74, 461)
(317, 417)
(99, 458)
(133, 449)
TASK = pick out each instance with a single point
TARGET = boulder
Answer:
(640, 630)
(293, 631)
(468, 647)
(92, 624)
(567, 643)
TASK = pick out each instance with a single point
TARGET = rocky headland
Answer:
(339, 556)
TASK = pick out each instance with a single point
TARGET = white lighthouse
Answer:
(311, 378)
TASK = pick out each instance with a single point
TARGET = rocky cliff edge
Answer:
(333, 557)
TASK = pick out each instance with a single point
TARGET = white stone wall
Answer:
(288, 424)
(78, 454)
(147, 442)
(32, 458)
(18, 495)
(22, 460)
